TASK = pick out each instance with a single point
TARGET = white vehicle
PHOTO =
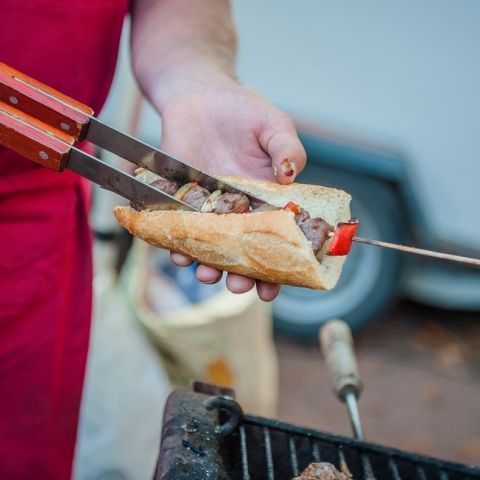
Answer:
(402, 79)
(386, 99)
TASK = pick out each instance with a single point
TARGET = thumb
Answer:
(282, 144)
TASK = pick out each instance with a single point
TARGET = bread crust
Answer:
(265, 245)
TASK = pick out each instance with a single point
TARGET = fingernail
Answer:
(289, 169)
(275, 171)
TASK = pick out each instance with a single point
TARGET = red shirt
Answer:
(45, 254)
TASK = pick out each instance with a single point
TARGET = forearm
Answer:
(180, 45)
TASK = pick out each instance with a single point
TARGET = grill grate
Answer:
(268, 449)
(201, 443)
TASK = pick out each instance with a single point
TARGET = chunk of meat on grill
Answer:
(231, 203)
(322, 471)
(196, 196)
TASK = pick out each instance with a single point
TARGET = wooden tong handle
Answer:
(30, 137)
(43, 103)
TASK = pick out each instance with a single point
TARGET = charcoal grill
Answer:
(208, 437)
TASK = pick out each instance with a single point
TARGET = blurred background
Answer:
(385, 97)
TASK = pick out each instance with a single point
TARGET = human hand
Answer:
(229, 129)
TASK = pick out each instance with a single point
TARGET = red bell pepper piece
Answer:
(292, 207)
(343, 234)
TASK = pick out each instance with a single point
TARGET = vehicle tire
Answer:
(370, 278)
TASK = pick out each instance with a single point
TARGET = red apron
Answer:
(45, 244)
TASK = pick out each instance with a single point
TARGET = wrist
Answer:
(193, 78)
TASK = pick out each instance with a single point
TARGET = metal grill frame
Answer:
(209, 438)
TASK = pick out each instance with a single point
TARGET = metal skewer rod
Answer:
(352, 405)
(419, 251)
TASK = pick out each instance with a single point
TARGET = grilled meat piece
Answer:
(302, 216)
(316, 230)
(231, 203)
(150, 178)
(136, 206)
(322, 471)
(196, 196)
(165, 185)
(265, 207)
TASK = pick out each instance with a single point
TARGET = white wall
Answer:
(404, 71)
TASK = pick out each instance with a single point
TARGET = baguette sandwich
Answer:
(286, 244)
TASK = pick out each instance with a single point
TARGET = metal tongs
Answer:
(44, 125)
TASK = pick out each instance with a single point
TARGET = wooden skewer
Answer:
(419, 251)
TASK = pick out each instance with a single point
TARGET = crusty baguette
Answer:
(265, 245)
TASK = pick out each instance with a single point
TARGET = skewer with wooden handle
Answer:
(337, 347)
(336, 343)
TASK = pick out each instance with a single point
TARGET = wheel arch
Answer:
(387, 164)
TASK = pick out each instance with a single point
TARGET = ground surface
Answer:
(421, 371)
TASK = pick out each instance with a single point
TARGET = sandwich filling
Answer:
(316, 230)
